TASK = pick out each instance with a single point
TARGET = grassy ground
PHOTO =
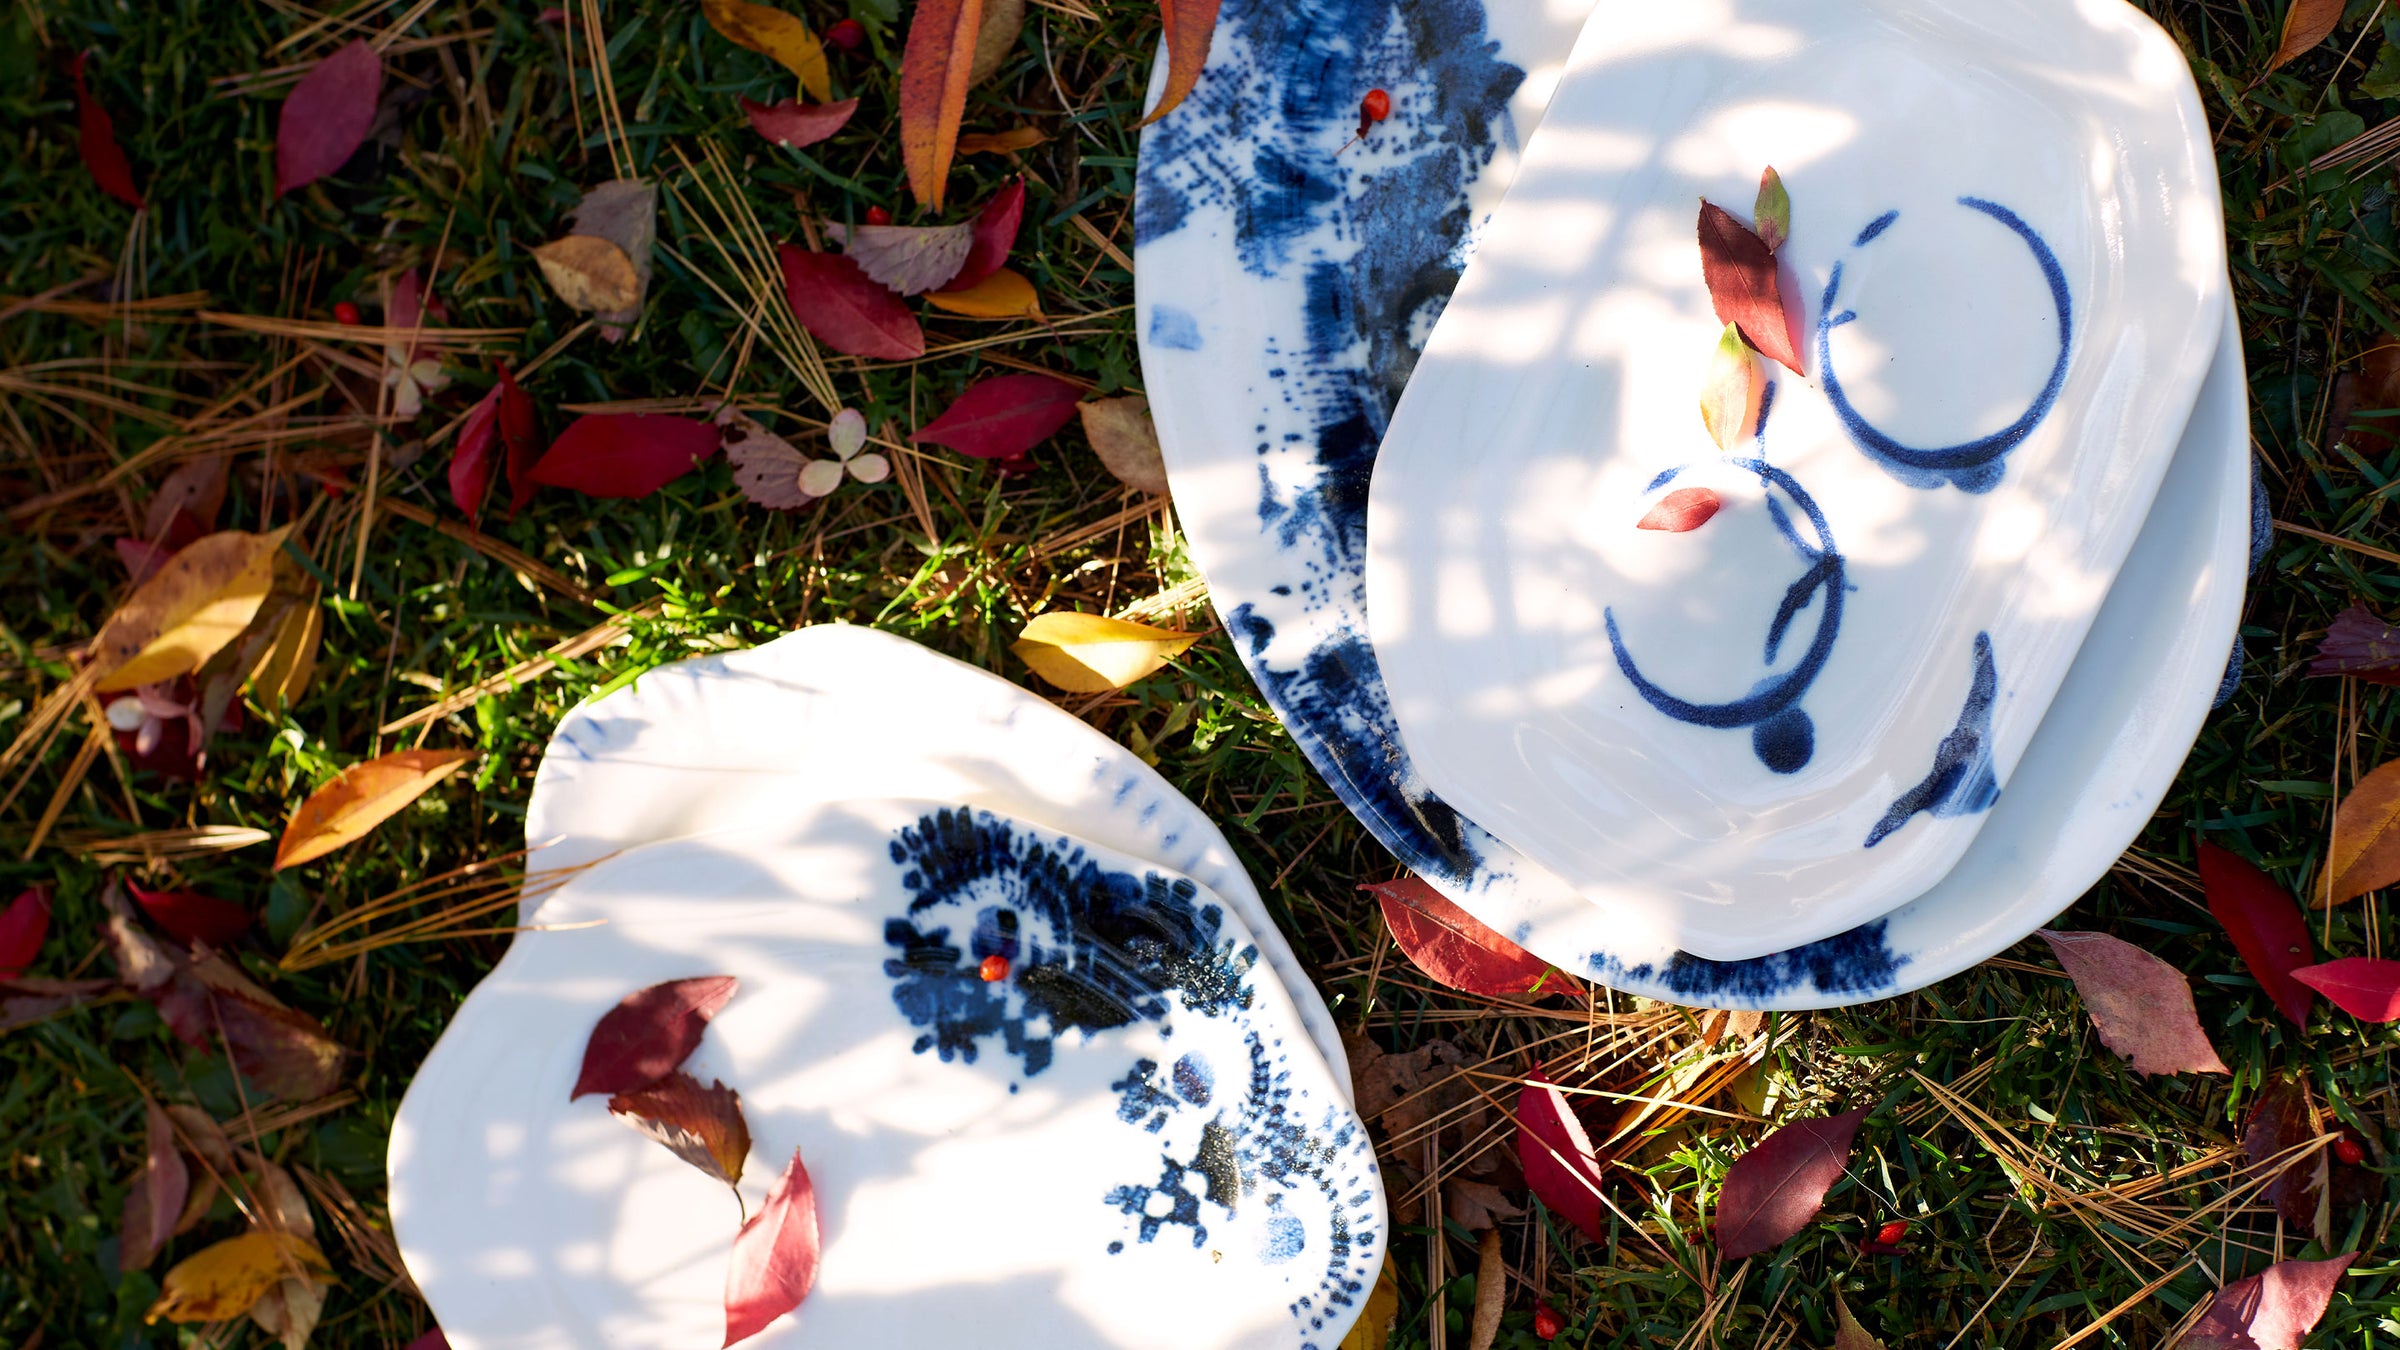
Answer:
(2054, 1198)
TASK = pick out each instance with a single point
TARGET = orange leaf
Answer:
(1000, 142)
(1189, 25)
(2366, 838)
(360, 798)
(933, 91)
(1005, 294)
(2305, 25)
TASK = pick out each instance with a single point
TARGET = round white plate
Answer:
(836, 711)
(1126, 1143)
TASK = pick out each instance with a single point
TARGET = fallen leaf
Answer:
(1000, 142)
(774, 1256)
(934, 73)
(2265, 924)
(1774, 210)
(2271, 1310)
(996, 37)
(28, 999)
(701, 1125)
(1773, 1191)
(290, 1311)
(842, 307)
(96, 139)
(2365, 988)
(203, 598)
(1740, 270)
(995, 234)
(1090, 654)
(1847, 1333)
(773, 33)
(2305, 24)
(1005, 294)
(624, 212)
(1448, 944)
(2282, 1124)
(2365, 855)
(796, 124)
(1491, 1291)
(1732, 392)
(222, 1281)
(207, 1001)
(23, 927)
(2141, 1005)
(2360, 645)
(1126, 441)
(1476, 1204)
(193, 917)
(359, 798)
(200, 1133)
(476, 456)
(1003, 417)
(287, 634)
(625, 454)
(2357, 394)
(1373, 1329)
(589, 273)
(431, 1340)
(908, 259)
(155, 1200)
(1680, 511)
(766, 467)
(189, 496)
(1404, 1092)
(649, 1034)
(1561, 1167)
(1188, 25)
(327, 116)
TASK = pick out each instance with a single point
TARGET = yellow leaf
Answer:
(360, 798)
(590, 273)
(290, 657)
(200, 600)
(1729, 399)
(1005, 294)
(1088, 654)
(223, 1281)
(999, 142)
(771, 32)
(2365, 855)
(1373, 1329)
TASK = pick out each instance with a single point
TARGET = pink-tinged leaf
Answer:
(2363, 987)
(1774, 210)
(909, 259)
(2360, 645)
(1682, 510)
(766, 467)
(798, 124)
(650, 1034)
(2141, 1005)
(774, 1256)
(842, 307)
(1003, 417)
(96, 138)
(624, 454)
(2265, 924)
(327, 116)
(1448, 944)
(155, 1200)
(431, 1340)
(1561, 1166)
(701, 1125)
(193, 917)
(2271, 1310)
(1774, 1190)
(23, 926)
(476, 455)
(1733, 393)
(1742, 285)
(27, 1000)
(209, 1004)
(995, 234)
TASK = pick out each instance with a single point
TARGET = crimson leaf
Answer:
(798, 124)
(774, 1256)
(2265, 924)
(2141, 1005)
(2271, 1310)
(2283, 1121)
(842, 307)
(2365, 988)
(995, 234)
(193, 917)
(1772, 1192)
(645, 1037)
(472, 462)
(1003, 417)
(1742, 284)
(2359, 644)
(327, 116)
(624, 454)
(1561, 1167)
(22, 928)
(1448, 944)
(96, 138)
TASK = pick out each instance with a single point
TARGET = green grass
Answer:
(487, 155)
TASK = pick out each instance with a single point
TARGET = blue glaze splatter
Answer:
(1860, 961)
(1174, 329)
(1961, 782)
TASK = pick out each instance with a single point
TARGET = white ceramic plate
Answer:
(837, 711)
(1127, 1143)
(1284, 287)
(2005, 242)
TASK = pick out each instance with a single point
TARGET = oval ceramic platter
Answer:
(1125, 1142)
(1769, 729)
(837, 711)
(1285, 285)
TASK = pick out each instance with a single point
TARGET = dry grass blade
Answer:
(748, 251)
(368, 1242)
(127, 850)
(67, 783)
(315, 330)
(462, 898)
(607, 633)
(532, 571)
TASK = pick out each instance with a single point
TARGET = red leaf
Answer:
(431, 1340)
(1742, 284)
(502, 419)
(1189, 25)
(842, 307)
(193, 917)
(2283, 1121)
(2367, 989)
(1448, 944)
(2141, 1005)
(1772, 1191)
(96, 137)
(995, 234)
(2265, 924)
(155, 1200)
(2271, 1310)
(701, 1125)
(327, 116)
(798, 124)
(774, 1256)
(1681, 510)
(624, 454)
(644, 1038)
(521, 433)
(22, 928)
(1004, 416)
(2359, 644)
(472, 462)
(1561, 1167)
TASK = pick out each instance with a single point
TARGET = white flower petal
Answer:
(819, 477)
(870, 468)
(125, 714)
(848, 432)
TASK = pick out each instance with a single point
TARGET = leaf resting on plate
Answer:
(1681, 511)
(1733, 391)
(1740, 270)
(1450, 945)
(2141, 1005)
(650, 1033)
(1774, 1190)
(774, 1256)
(701, 1125)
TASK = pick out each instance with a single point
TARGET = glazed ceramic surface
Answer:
(2005, 240)
(1285, 286)
(1128, 1142)
(836, 711)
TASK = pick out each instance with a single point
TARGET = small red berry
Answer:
(347, 314)
(846, 34)
(1546, 1321)
(2349, 1150)
(1892, 1232)
(876, 215)
(995, 968)
(1375, 107)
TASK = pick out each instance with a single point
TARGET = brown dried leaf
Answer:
(1478, 1204)
(996, 37)
(701, 1125)
(2372, 388)
(2305, 24)
(199, 601)
(766, 467)
(155, 1200)
(1847, 1333)
(1491, 1291)
(2365, 855)
(624, 212)
(589, 273)
(1126, 441)
(1000, 142)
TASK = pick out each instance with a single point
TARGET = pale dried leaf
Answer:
(1090, 654)
(908, 259)
(1126, 441)
(589, 273)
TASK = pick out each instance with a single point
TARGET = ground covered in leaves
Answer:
(2012, 1182)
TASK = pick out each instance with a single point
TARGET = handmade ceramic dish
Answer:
(1284, 286)
(837, 711)
(1125, 1142)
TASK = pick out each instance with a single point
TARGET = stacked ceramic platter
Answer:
(1977, 558)
(1053, 1073)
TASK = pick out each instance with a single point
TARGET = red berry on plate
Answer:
(995, 968)
(876, 215)
(1375, 107)
(846, 34)
(2349, 1150)
(1546, 1321)
(346, 313)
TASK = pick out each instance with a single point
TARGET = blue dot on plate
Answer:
(1283, 1239)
